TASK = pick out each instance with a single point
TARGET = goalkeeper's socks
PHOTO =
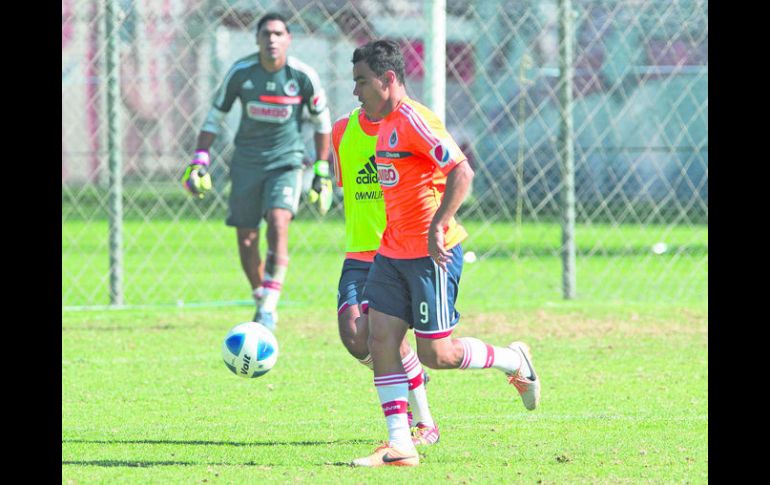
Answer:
(393, 390)
(258, 293)
(274, 282)
(272, 293)
(480, 355)
(418, 399)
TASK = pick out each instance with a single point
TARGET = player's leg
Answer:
(251, 263)
(425, 430)
(281, 199)
(436, 318)
(471, 353)
(276, 263)
(353, 328)
(388, 312)
(352, 324)
(386, 332)
(245, 214)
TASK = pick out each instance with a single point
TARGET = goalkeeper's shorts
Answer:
(254, 191)
(417, 291)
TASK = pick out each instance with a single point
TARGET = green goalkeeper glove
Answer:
(196, 178)
(321, 188)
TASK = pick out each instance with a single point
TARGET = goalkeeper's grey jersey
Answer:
(270, 130)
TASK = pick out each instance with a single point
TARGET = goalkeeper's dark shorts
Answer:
(254, 191)
(351, 287)
(417, 291)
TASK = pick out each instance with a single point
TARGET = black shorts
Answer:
(417, 291)
(351, 287)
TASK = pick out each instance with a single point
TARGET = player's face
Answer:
(273, 40)
(370, 89)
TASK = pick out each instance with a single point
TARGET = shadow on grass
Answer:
(137, 464)
(224, 443)
(146, 464)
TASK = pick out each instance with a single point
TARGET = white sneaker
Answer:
(525, 379)
(268, 319)
(384, 455)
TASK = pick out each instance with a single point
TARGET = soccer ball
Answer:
(249, 350)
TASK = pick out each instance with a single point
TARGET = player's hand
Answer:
(436, 246)
(321, 192)
(196, 178)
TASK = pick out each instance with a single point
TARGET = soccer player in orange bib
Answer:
(354, 137)
(414, 279)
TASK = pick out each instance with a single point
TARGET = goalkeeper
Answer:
(354, 137)
(266, 168)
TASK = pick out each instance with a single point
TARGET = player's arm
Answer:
(338, 129)
(196, 178)
(321, 188)
(458, 185)
(322, 141)
(438, 146)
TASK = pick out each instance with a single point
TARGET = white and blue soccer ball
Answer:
(250, 350)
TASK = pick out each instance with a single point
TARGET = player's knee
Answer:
(247, 239)
(378, 338)
(279, 219)
(354, 341)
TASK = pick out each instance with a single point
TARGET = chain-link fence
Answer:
(640, 137)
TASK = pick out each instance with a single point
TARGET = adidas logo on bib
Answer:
(368, 174)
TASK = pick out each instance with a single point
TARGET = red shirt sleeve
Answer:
(337, 130)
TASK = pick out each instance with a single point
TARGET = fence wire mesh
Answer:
(641, 141)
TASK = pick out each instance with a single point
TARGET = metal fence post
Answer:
(112, 76)
(567, 148)
(435, 57)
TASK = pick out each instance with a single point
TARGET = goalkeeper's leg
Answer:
(276, 264)
(253, 266)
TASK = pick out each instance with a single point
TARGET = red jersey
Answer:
(414, 155)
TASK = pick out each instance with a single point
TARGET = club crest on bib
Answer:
(441, 153)
(387, 174)
(291, 88)
(393, 140)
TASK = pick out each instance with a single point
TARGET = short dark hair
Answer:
(272, 16)
(381, 56)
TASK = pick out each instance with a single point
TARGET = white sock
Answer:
(480, 355)
(392, 390)
(273, 284)
(418, 398)
(258, 293)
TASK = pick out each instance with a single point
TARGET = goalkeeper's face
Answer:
(371, 90)
(273, 40)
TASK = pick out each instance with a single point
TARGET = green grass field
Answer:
(147, 399)
(194, 261)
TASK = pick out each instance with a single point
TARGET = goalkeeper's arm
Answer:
(321, 191)
(196, 178)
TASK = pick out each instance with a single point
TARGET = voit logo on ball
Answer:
(387, 174)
